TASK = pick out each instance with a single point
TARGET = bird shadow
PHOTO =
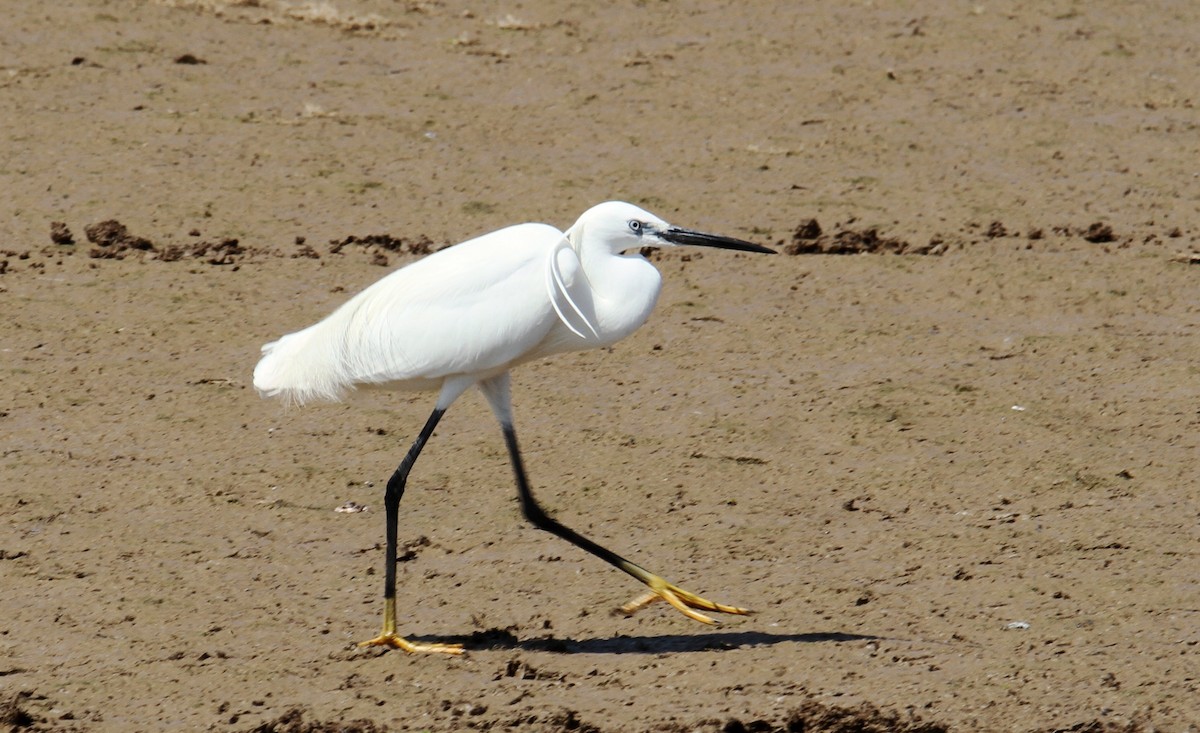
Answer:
(505, 639)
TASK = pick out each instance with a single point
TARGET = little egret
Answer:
(466, 316)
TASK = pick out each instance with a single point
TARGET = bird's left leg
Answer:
(686, 602)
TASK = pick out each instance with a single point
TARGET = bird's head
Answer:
(621, 226)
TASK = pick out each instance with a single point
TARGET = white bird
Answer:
(466, 316)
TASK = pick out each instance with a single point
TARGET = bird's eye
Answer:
(635, 226)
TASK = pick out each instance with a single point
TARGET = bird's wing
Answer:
(468, 309)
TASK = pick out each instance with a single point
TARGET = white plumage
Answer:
(475, 309)
(468, 314)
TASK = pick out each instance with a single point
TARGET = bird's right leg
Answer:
(391, 502)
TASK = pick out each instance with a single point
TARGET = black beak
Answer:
(676, 235)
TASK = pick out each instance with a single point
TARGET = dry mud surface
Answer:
(957, 479)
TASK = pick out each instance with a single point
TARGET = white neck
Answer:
(624, 290)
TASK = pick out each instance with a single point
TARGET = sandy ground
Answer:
(960, 489)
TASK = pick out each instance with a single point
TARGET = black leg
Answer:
(391, 502)
(538, 517)
(683, 601)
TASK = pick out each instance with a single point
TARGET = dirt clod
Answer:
(293, 721)
(1098, 233)
(809, 238)
(817, 717)
(60, 234)
(420, 245)
(807, 230)
(113, 240)
(222, 252)
(14, 716)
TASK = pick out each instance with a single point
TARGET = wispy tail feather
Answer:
(298, 375)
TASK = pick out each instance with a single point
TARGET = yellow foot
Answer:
(390, 639)
(682, 600)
